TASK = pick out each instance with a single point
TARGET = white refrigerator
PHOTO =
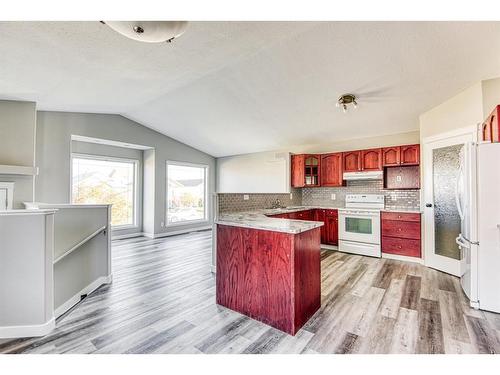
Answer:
(478, 203)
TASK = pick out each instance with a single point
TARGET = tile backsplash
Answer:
(235, 202)
(394, 199)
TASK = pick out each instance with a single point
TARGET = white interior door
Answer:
(443, 169)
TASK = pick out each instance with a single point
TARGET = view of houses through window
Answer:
(97, 180)
(186, 193)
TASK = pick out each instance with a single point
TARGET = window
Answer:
(102, 180)
(186, 193)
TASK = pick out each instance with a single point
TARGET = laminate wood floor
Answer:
(162, 300)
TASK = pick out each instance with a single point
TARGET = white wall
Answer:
(264, 172)
(17, 145)
(463, 110)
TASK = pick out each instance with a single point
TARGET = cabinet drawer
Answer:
(401, 246)
(401, 229)
(403, 216)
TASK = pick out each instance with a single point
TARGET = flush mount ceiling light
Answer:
(149, 31)
(346, 99)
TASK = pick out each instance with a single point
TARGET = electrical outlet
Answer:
(333, 196)
(398, 178)
(246, 197)
(291, 196)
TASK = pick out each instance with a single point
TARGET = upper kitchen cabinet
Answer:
(410, 155)
(352, 161)
(491, 127)
(331, 169)
(363, 160)
(298, 171)
(371, 160)
(401, 155)
(305, 170)
(391, 156)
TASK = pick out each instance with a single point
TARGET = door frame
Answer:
(466, 134)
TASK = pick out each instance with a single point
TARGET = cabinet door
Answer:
(332, 232)
(312, 170)
(371, 160)
(352, 161)
(390, 156)
(410, 155)
(298, 178)
(331, 169)
(319, 215)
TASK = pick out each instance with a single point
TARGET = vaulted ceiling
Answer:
(238, 87)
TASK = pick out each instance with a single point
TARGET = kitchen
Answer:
(222, 190)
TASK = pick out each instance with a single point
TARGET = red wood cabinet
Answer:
(410, 155)
(331, 169)
(298, 170)
(401, 155)
(305, 170)
(270, 276)
(401, 233)
(491, 126)
(320, 215)
(390, 156)
(402, 177)
(352, 161)
(371, 160)
(332, 228)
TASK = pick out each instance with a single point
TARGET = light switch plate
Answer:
(291, 196)
(246, 197)
(333, 196)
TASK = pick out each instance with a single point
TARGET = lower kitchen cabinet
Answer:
(401, 234)
(329, 217)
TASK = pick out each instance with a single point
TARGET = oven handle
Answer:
(349, 214)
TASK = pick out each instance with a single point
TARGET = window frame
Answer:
(205, 192)
(135, 162)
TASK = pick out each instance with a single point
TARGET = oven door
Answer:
(359, 226)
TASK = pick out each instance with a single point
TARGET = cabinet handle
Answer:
(399, 216)
(400, 247)
(399, 229)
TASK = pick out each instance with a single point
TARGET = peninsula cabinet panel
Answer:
(391, 156)
(331, 170)
(298, 171)
(371, 160)
(352, 161)
(272, 277)
(410, 155)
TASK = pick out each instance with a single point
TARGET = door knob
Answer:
(428, 205)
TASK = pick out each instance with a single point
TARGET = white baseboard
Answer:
(403, 258)
(77, 297)
(37, 330)
(124, 236)
(176, 232)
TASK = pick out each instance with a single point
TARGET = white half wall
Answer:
(264, 172)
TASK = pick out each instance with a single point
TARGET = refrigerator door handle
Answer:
(460, 241)
(457, 197)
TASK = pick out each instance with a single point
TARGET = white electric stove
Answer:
(359, 224)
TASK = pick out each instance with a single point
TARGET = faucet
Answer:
(276, 204)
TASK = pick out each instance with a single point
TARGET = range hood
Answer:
(372, 175)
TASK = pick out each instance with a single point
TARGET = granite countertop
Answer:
(257, 219)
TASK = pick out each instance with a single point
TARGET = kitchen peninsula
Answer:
(269, 268)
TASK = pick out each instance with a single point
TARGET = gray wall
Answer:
(54, 130)
(17, 145)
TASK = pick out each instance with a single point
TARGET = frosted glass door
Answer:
(447, 222)
(444, 180)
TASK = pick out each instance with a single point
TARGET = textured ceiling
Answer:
(237, 87)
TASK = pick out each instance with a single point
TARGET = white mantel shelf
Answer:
(18, 170)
